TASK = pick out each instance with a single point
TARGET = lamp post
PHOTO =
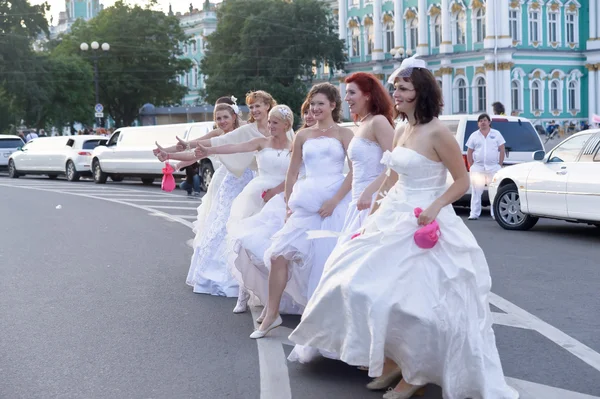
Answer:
(400, 55)
(95, 47)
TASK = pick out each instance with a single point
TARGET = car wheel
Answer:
(52, 177)
(507, 210)
(71, 172)
(207, 175)
(12, 170)
(147, 181)
(116, 178)
(99, 176)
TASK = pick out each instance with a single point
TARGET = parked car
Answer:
(522, 141)
(54, 156)
(563, 185)
(8, 145)
(128, 152)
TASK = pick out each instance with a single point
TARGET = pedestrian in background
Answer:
(485, 154)
(30, 136)
(192, 180)
(498, 108)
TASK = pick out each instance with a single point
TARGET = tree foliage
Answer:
(271, 45)
(141, 65)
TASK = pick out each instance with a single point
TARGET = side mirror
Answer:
(19, 148)
(539, 155)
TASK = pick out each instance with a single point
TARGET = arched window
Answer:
(572, 94)
(460, 25)
(461, 96)
(355, 34)
(535, 96)
(413, 33)
(515, 94)
(389, 37)
(368, 29)
(437, 30)
(554, 96)
(479, 25)
(480, 86)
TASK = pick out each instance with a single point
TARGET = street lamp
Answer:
(400, 55)
(95, 46)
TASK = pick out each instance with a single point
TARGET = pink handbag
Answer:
(427, 236)
(168, 181)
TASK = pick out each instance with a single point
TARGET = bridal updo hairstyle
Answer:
(224, 106)
(332, 94)
(259, 95)
(380, 102)
(284, 113)
(429, 100)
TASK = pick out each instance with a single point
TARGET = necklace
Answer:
(326, 129)
(364, 117)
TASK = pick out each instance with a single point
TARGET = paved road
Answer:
(94, 305)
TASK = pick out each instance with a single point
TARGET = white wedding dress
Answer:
(365, 155)
(208, 272)
(426, 309)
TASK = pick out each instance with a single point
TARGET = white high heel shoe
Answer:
(241, 305)
(257, 334)
(385, 381)
(414, 390)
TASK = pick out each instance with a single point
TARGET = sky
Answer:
(182, 6)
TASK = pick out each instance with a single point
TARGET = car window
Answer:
(10, 143)
(591, 149)
(70, 143)
(452, 125)
(568, 150)
(113, 140)
(519, 135)
(198, 131)
(91, 144)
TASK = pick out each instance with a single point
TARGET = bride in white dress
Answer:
(383, 296)
(319, 202)
(273, 157)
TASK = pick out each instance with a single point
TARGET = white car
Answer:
(54, 156)
(565, 184)
(8, 145)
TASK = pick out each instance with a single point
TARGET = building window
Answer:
(389, 37)
(355, 34)
(460, 23)
(514, 25)
(535, 96)
(515, 94)
(534, 27)
(185, 49)
(437, 30)
(554, 96)
(187, 79)
(553, 33)
(481, 94)
(571, 29)
(572, 92)
(479, 25)
(413, 33)
(194, 48)
(461, 96)
(196, 77)
(369, 38)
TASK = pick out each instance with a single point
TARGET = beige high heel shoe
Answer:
(414, 390)
(385, 381)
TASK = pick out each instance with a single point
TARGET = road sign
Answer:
(99, 114)
(99, 108)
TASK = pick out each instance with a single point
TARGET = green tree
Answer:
(143, 61)
(271, 45)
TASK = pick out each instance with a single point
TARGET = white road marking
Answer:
(563, 340)
(181, 201)
(137, 195)
(191, 217)
(275, 383)
(191, 208)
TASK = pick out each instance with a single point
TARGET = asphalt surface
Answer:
(94, 302)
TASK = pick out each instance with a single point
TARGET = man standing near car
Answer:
(485, 154)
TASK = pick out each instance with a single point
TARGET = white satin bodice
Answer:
(366, 156)
(272, 162)
(323, 156)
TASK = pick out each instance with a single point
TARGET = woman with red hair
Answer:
(372, 109)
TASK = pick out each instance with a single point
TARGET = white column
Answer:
(377, 31)
(490, 78)
(592, 89)
(490, 24)
(399, 24)
(597, 19)
(423, 44)
(593, 21)
(342, 17)
(446, 45)
(505, 40)
(447, 90)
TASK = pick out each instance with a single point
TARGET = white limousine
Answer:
(128, 152)
(564, 185)
(54, 156)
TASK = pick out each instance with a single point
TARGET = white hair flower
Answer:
(232, 98)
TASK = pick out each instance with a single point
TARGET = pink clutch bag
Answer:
(168, 181)
(427, 236)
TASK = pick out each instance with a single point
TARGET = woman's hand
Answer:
(182, 145)
(364, 201)
(327, 208)
(158, 150)
(428, 215)
(268, 194)
(201, 152)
